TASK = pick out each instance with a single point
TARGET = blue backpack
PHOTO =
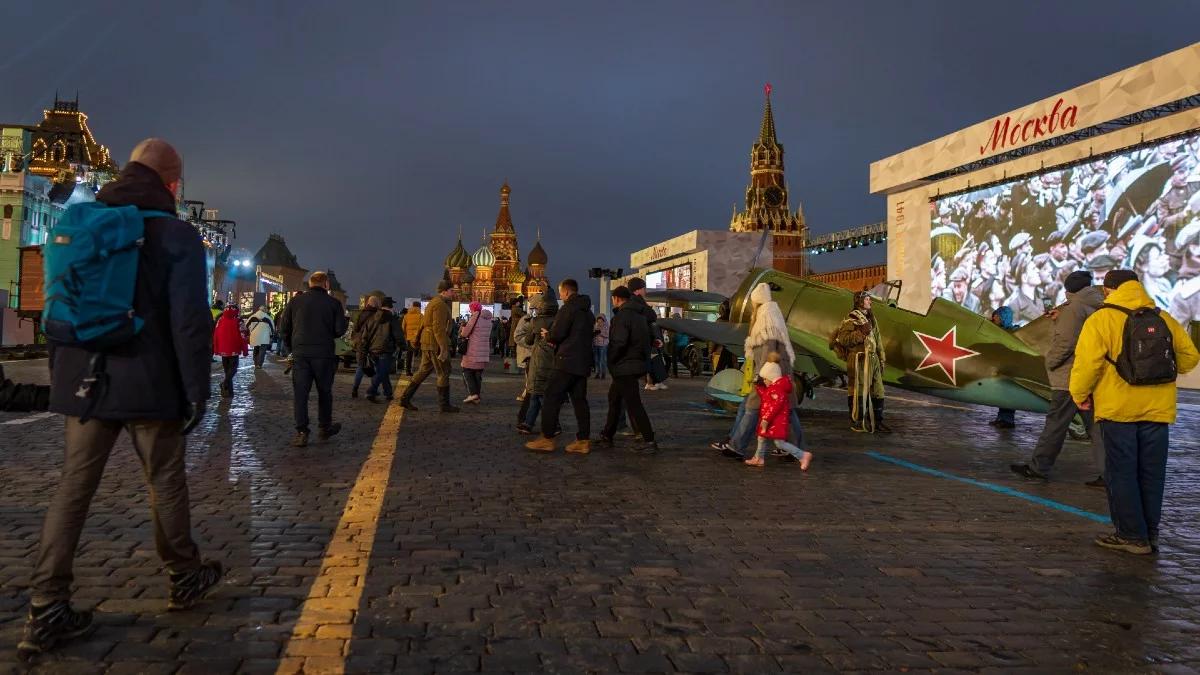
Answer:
(90, 263)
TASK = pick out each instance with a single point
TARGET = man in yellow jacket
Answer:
(412, 331)
(1133, 419)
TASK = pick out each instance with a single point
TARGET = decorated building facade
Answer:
(767, 201)
(493, 273)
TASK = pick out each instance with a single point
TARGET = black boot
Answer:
(406, 398)
(880, 427)
(444, 399)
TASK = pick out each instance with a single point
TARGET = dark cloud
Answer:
(367, 132)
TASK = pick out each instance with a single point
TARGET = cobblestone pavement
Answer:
(487, 557)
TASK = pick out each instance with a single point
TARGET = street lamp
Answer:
(605, 275)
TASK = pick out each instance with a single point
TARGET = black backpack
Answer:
(1148, 354)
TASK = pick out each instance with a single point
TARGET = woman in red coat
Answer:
(774, 390)
(229, 344)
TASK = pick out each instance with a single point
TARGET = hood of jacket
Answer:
(578, 301)
(1131, 295)
(760, 294)
(486, 313)
(1092, 296)
(1005, 314)
(138, 185)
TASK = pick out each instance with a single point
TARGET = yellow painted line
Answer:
(321, 638)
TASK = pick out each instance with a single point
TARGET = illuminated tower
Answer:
(457, 265)
(536, 281)
(767, 201)
(504, 246)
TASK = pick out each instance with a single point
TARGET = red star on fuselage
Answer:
(944, 353)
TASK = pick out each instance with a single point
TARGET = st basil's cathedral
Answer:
(493, 272)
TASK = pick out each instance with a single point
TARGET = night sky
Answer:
(367, 132)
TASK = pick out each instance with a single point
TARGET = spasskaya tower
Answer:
(767, 201)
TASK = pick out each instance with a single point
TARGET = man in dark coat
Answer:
(571, 336)
(308, 327)
(385, 336)
(154, 387)
(628, 352)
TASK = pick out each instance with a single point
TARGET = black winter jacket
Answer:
(571, 335)
(629, 341)
(385, 333)
(645, 310)
(311, 322)
(167, 364)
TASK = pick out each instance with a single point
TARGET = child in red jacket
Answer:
(229, 343)
(774, 389)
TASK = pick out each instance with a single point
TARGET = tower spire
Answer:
(766, 135)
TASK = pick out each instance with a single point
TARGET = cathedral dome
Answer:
(484, 257)
(458, 258)
(538, 255)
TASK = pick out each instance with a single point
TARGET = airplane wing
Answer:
(729, 335)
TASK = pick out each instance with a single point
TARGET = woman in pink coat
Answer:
(477, 333)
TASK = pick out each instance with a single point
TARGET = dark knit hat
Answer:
(622, 293)
(1115, 278)
(635, 284)
(1077, 281)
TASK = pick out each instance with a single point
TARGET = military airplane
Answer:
(949, 351)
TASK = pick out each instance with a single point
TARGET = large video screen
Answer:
(1014, 244)
(678, 277)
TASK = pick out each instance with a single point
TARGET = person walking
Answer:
(173, 346)
(637, 286)
(384, 336)
(310, 324)
(435, 350)
(857, 342)
(600, 334)
(1083, 299)
(412, 335)
(230, 345)
(511, 348)
(283, 352)
(1006, 418)
(774, 390)
(544, 309)
(768, 334)
(629, 350)
(1132, 388)
(571, 337)
(360, 340)
(521, 348)
(477, 354)
(262, 330)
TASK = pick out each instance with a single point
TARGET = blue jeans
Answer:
(383, 375)
(535, 407)
(792, 450)
(744, 424)
(1135, 469)
(600, 358)
(358, 376)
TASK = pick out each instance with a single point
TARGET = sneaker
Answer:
(732, 454)
(329, 431)
(1026, 471)
(191, 587)
(646, 448)
(580, 446)
(720, 446)
(301, 439)
(1098, 483)
(1116, 543)
(50, 626)
(542, 444)
(524, 429)
(472, 398)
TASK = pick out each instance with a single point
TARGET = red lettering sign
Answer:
(1009, 132)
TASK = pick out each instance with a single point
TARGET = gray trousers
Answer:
(160, 447)
(1058, 421)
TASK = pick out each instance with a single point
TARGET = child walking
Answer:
(773, 416)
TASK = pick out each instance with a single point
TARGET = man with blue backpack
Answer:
(1126, 362)
(130, 332)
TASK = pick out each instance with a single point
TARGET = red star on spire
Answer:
(944, 353)
(767, 88)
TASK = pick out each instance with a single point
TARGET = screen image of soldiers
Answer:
(960, 290)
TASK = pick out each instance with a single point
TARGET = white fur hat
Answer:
(770, 371)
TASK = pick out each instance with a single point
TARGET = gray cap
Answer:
(1102, 262)
(160, 156)
(1093, 240)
